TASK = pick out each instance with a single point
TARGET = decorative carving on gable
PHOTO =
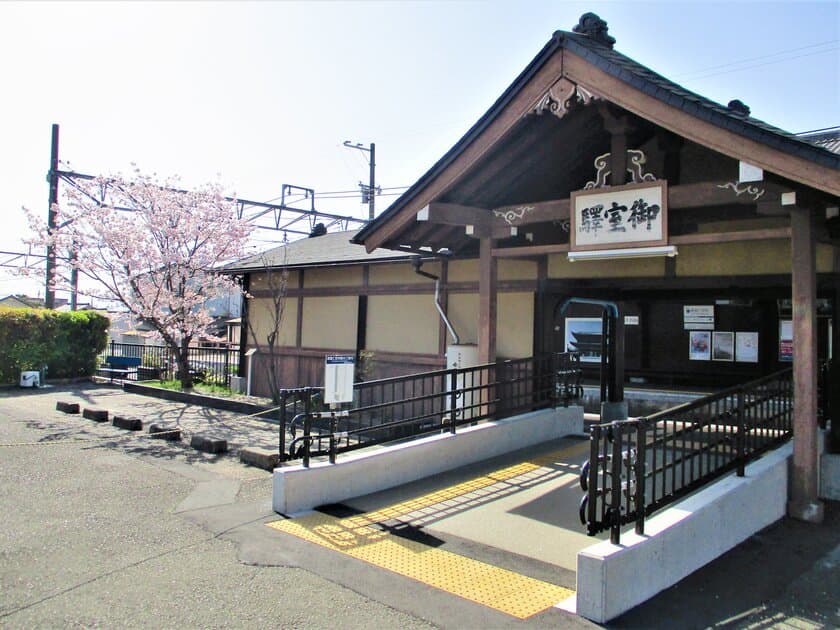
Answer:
(561, 97)
(744, 189)
(635, 166)
(513, 215)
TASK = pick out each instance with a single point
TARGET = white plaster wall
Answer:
(612, 579)
(297, 488)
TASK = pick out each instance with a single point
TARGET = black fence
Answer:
(421, 404)
(213, 365)
(640, 465)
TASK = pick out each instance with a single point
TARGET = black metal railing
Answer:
(406, 407)
(639, 465)
(208, 364)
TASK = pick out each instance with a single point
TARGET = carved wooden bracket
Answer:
(635, 166)
(561, 97)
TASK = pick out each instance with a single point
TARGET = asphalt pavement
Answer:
(106, 528)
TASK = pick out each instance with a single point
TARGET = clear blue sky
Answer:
(264, 93)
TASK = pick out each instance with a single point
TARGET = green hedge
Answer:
(67, 343)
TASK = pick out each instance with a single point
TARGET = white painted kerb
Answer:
(355, 474)
(612, 579)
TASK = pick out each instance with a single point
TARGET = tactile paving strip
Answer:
(357, 536)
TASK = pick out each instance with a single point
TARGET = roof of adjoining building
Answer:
(333, 248)
(592, 43)
(829, 139)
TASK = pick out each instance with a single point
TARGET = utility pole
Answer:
(52, 178)
(369, 191)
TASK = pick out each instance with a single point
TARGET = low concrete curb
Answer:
(129, 424)
(67, 407)
(259, 457)
(170, 433)
(209, 444)
(97, 415)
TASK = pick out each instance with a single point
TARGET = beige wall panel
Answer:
(725, 259)
(261, 312)
(332, 277)
(825, 259)
(509, 269)
(515, 325)
(402, 323)
(402, 273)
(463, 270)
(262, 281)
(330, 322)
(463, 314)
(560, 267)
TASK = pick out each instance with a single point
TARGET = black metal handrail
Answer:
(421, 404)
(639, 465)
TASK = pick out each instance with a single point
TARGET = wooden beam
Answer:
(731, 237)
(529, 250)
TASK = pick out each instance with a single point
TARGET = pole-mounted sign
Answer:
(338, 378)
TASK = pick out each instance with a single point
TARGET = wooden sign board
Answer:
(629, 216)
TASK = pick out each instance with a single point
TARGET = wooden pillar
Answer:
(486, 302)
(803, 501)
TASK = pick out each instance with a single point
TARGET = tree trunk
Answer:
(182, 359)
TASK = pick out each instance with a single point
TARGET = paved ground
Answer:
(136, 532)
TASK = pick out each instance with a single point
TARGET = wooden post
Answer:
(803, 500)
(487, 320)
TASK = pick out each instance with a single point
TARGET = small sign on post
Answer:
(339, 371)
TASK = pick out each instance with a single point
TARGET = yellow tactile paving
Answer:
(511, 593)
(517, 595)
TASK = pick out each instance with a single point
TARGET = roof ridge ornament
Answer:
(594, 27)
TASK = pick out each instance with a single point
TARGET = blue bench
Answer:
(121, 367)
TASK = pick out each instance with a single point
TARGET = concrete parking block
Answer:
(168, 432)
(97, 415)
(67, 407)
(264, 458)
(129, 424)
(209, 444)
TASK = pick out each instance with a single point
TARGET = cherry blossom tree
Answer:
(153, 248)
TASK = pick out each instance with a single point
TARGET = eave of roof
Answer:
(638, 76)
(333, 248)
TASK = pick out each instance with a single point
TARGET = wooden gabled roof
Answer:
(517, 154)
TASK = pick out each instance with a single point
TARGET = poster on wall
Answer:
(723, 346)
(785, 340)
(746, 347)
(699, 345)
(698, 317)
(583, 335)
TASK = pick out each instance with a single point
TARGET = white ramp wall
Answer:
(612, 579)
(355, 474)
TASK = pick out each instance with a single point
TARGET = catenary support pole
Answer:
(52, 178)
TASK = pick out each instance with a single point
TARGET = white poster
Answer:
(698, 317)
(746, 347)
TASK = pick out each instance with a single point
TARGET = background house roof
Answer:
(333, 248)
